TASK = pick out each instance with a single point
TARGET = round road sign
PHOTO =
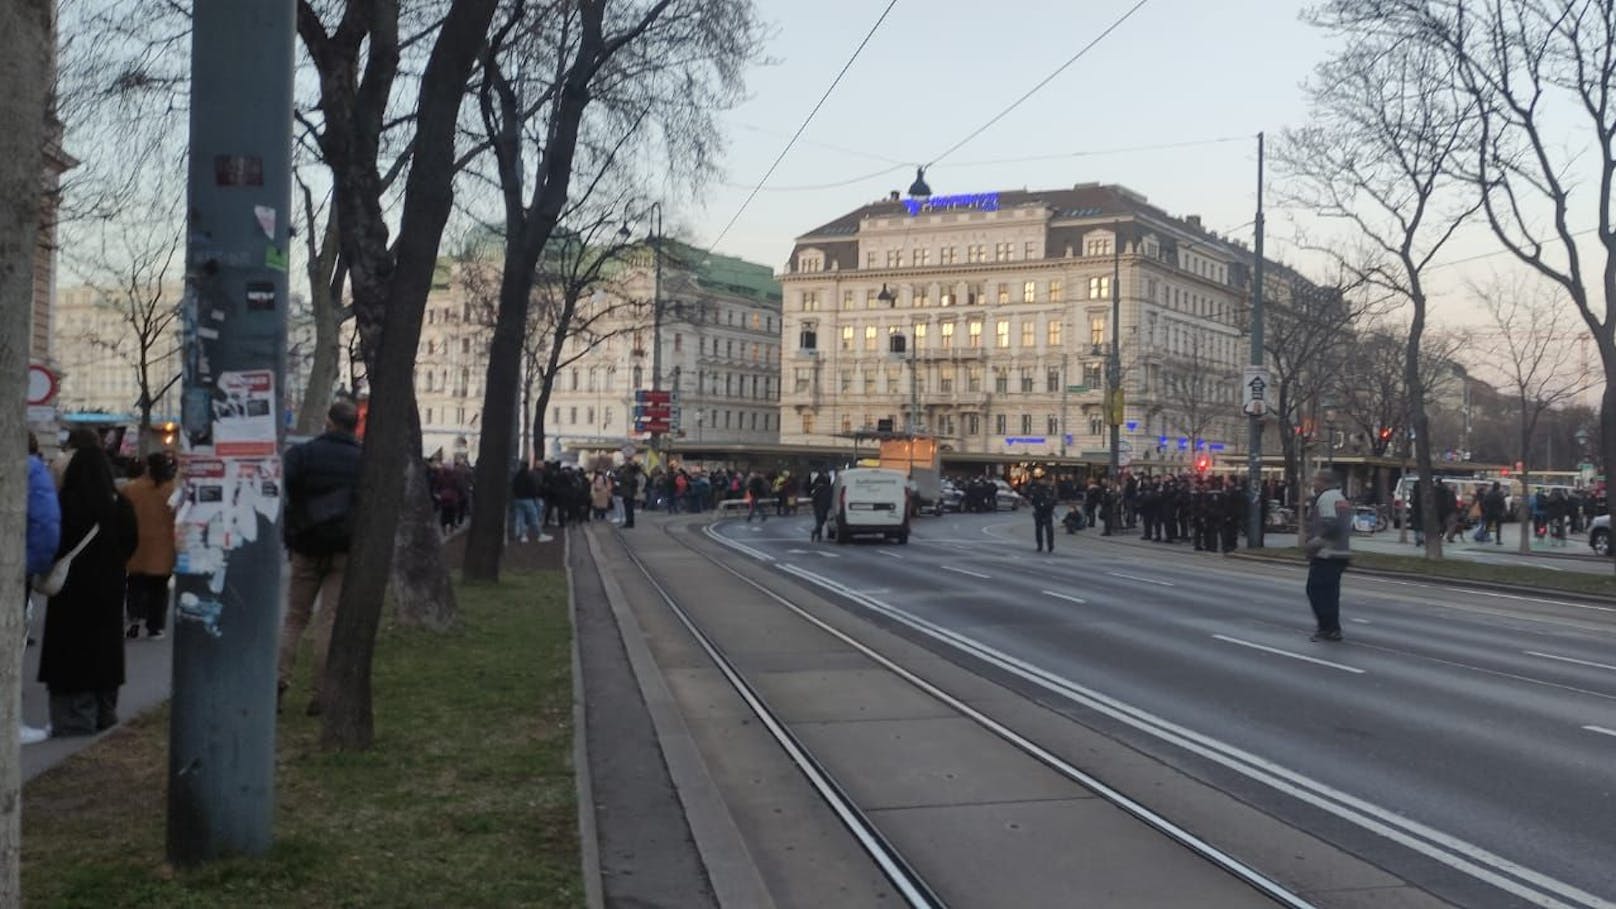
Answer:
(42, 385)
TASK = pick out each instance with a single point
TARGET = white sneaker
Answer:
(545, 538)
(29, 735)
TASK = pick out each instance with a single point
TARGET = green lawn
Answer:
(467, 798)
(1457, 569)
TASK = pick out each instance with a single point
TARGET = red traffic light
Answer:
(1385, 433)
(1203, 464)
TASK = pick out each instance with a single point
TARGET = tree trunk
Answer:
(348, 721)
(485, 541)
(25, 63)
(326, 278)
(1415, 384)
(1607, 422)
(421, 587)
(546, 386)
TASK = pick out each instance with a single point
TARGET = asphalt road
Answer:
(1464, 741)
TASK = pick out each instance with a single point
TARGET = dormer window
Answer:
(810, 261)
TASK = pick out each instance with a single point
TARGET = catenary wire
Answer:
(1045, 81)
(807, 120)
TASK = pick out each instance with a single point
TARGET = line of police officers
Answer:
(1207, 511)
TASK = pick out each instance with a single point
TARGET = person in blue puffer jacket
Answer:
(44, 513)
(44, 536)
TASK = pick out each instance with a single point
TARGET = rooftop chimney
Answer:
(1194, 221)
(893, 196)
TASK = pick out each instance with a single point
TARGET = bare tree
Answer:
(651, 76)
(327, 276)
(1529, 68)
(1197, 388)
(358, 62)
(1529, 350)
(1306, 329)
(133, 274)
(25, 66)
(1386, 129)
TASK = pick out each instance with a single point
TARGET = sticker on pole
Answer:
(1255, 384)
(244, 415)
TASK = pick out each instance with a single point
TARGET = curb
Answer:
(733, 874)
(588, 834)
(1438, 580)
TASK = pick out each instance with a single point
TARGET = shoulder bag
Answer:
(51, 582)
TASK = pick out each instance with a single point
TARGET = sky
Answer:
(1176, 72)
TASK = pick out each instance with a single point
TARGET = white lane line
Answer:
(1361, 621)
(1471, 591)
(1062, 596)
(974, 574)
(1134, 577)
(1566, 659)
(1286, 653)
(890, 555)
(1601, 730)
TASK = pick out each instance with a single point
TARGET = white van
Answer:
(871, 501)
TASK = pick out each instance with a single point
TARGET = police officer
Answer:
(1042, 497)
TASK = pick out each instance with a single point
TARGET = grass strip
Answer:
(1523, 576)
(466, 799)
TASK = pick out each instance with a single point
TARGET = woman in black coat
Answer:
(81, 661)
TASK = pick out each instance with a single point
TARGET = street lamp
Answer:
(896, 346)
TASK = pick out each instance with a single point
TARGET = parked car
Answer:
(1005, 497)
(1599, 535)
(952, 498)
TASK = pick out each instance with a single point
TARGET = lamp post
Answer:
(896, 346)
(1331, 412)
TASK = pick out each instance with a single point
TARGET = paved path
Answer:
(1573, 556)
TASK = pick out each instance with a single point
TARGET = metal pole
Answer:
(1254, 522)
(221, 767)
(1065, 380)
(914, 390)
(1114, 399)
(656, 320)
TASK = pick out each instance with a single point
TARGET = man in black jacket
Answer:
(1042, 497)
(820, 492)
(322, 485)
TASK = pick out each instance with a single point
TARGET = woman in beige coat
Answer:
(146, 594)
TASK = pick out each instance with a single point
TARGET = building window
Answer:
(757, 317)
(847, 299)
(1001, 252)
(1001, 382)
(810, 301)
(946, 255)
(847, 337)
(945, 377)
(589, 415)
(870, 299)
(1100, 288)
(974, 330)
(1052, 381)
(1097, 331)
(1093, 377)
(808, 338)
(1097, 246)
(870, 259)
(429, 416)
(1026, 424)
(1030, 250)
(1054, 339)
(869, 381)
(920, 258)
(1026, 380)
(804, 376)
(973, 424)
(639, 378)
(947, 335)
(465, 345)
(1001, 334)
(894, 258)
(999, 426)
(729, 349)
(945, 297)
(920, 335)
(754, 419)
(1004, 294)
(973, 294)
(847, 381)
(811, 263)
(807, 424)
(973, 378)
(678, 342)
(1053, 424)
(976, 252)
(1096, 426)
(870, 335)
(572, 416)
(1029, 292)
(920, 297)
(1055, 291)
(1029, 332)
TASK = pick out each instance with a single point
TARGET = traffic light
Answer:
(1385, 433)
(1203, 464)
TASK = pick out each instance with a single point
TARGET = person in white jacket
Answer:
(1328, 551)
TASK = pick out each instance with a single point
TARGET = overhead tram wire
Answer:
(807, 120)
(1045, 81)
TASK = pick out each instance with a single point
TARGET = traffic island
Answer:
(466, 799)
(1516, 579)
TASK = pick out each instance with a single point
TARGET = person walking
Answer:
(629, 487)
(43, 538)
(756, 489)
(1042, 497)
(527, 504)
(322, 492)
(600, 494)
(151, 495)
(81, 662)
(1493, 507)
(820, 493)
(1329, 538)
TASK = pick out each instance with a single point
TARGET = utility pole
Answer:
(914, 387)
(1254, 491)
(1114, 400)
(221, 767)
(1065, 381)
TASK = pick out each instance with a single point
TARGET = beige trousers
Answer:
(312, 596)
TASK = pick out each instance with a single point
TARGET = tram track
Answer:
(892, 863)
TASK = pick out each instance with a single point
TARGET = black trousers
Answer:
(1044, 528)
(628, 511)
(146, 600)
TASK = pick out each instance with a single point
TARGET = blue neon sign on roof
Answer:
(983, 201)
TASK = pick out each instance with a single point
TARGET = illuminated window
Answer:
(870, 337)
(847, 337)
(1100, 288)
(1029, 333)
(894, 258)
(976, 252)
(1054, 333)
(810, 302)
(871, 299)
(946, 255)
(1001, 252)
(1029, 292)
(920, 335)
(1030, 250)
(1001, 334)
(1097, 330)
(1054, 291)
(847, 299)
(974, 330)
(920, 297)
(948, 336)
(870, 260)
(1098, 246)
(920, 258)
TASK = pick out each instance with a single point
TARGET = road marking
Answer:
(1062, 596)
(1601, 730)
(1484, 593)
(1134, 577)
(1361, 621)
(890, 555)
(1286, 653)
(1566, 659)
(1534, 886)
(974, 574)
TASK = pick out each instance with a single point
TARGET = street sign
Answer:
(1077, 389)
(42, 385)
(1254, 383)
